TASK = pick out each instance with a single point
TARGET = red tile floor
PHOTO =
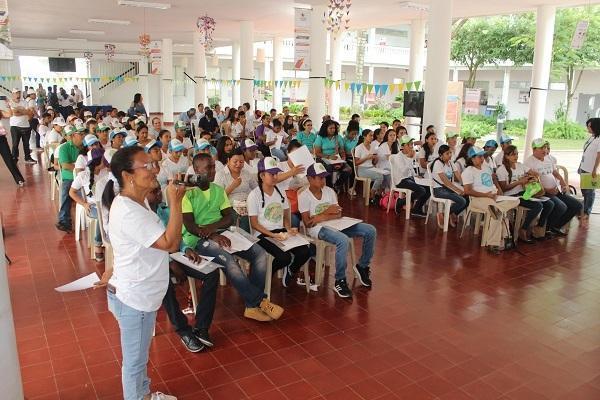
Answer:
(445, 320)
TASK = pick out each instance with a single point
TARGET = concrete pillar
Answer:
(235, 90)
(223, 87)
(335, 65)
(247, 63)
(318, 66)
(505, 87)
(143, 84)
(540, 74)
(167, 80)
(199, 70)
(438, 64)
(277, 72)
(371, 74)
(415, 68)
(455, 75)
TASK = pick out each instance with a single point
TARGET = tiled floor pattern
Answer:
(445, 320)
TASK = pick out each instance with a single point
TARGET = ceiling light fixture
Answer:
(158, 6)
(65, 39)
(109, 21)
(414, 6)
(83, 32)
(303, 6)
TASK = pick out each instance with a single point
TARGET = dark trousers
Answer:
(294, 258)
(9, 161)
(565, 208)
(34, 124)
(205, 308)
(17, 134)
(543, 209)
(420, 194)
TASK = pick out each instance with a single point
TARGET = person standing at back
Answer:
(78, 97)
(20, 128)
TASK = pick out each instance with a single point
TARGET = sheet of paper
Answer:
(238, 242)
(290, 243)
(507, 198)
(381, 171)
(422, 181)
(333, 162)
(587, 182)
(83, 283)
(278, 142)
(302, 156)
(540, 199)
(341, 223)
(206, 266)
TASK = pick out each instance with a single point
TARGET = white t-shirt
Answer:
(490, 163)
(81, 162)
(187, 143)
(361, 151)
(434, 152)
(402, 167)
(252, 167)
(82, 182)
(223, 178)
(545, 168)
(517, 173)
(140, 272)
(591, 148)
(293, 183)
(441, 168)
(21, 121)
(307, 202)
(383, 151)
(172, 169)
(481, 179)
(460, 165)
(53, 137)
(271, 215)
(499, 158)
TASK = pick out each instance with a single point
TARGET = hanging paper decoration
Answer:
(109, 51)
(144, 39)
(88, 55)
(206, 26)
(337, 16)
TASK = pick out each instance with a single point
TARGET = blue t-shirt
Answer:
(329, 146)
(348, 144)
(307, 139)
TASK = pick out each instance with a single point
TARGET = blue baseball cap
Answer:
(116, 132)
(176, 145)
(505, 139)
(475, 151)
(151, 144)
(89, 140)
(491, 143)
(202, 144)
(130, 142)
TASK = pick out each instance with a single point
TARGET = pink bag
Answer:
(385, 199)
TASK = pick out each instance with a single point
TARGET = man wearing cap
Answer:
(20, 127)
(206, 213)
(89, 142)
(403, 171)
(117, 137)
(505, 141)
(319, 203)
(55, 134)
(452, 142)
(44, 127)
(188, 118)
(565, 206)
(30, 99)
(490, 147)
(67, 156)
(102, 132)
(180, 134)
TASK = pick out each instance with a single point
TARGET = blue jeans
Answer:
(251, 287)
(341, 239)
(376, 177)
(279, 153)
(97, 234)
(136, 334)
(459, 203)
(589, 195)
(64, 212)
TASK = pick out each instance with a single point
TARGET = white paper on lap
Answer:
(238, 242)
(206, 266)
(291, 242)
(341, 223)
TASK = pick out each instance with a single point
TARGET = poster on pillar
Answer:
(155, 57)
(5, 38)
(302, 39)
(472, 99)
(454, 106)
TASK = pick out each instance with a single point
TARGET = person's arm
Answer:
(423, 162)
(259, 228)
(75, 194)
(563, 185)
(318, 152)
(505, 186)
(469, 191)
(596, 163)
(449, 184)
(206, 231)
(171, 239)
(282, 176)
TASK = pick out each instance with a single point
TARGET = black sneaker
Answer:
(63, 228)
(202, 336)
(288, 277)
(558, 232)
(191, 343)
(418, 214)
(363, 275)
(342, 289)
(30, 161)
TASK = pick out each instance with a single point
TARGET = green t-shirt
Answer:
(67, 154)
(306, 138)
(329, 146)
(348, 144)
(206, 205)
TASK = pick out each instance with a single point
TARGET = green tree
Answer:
(483, 41)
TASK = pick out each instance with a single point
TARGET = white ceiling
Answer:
(46, 19)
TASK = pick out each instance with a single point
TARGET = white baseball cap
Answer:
(16, 90)
(59, 121)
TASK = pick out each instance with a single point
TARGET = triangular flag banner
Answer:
(417, 85)
(359, 86)
(353, 87)
(384, 89)
(369, 88)
(409, 86)
(377, 89)
(337, 85)
(400, 87)
(346, 85)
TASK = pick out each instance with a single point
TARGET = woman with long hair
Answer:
(590, 159)
(137, 106)
(446, 184)
(224, 148)
(388, 147)
(142, 134)
(428, 150)
(365, 158)
(329, 149)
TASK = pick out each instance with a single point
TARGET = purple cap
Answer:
(270, 165)
(317, 169)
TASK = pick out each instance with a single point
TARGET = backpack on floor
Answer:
(386, 198)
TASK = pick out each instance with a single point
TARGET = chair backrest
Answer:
(354, 162)
(392, 180)
(430, 177)
(101, 221)
(564, 172)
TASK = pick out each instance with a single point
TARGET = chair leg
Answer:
(77, 222)
(306, 268)
(269, 276)
(477, 223)
(222, 277)
(192, 283)
(465, 222)
(446, 217)
(484, 233)
(408, 204)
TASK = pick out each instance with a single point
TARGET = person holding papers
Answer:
(513, 178)
(275, 138)
(270, 220)
(330, 150)
(479, 185)
(446, 184)
(206, 215)
(403, 170)
(365, 157)
(318, 204)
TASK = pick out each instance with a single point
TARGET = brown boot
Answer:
(256, 314)
(272, 310)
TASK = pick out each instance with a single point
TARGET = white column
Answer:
(318, 66)
(167, 80)
(235, 90)
(12, 388)
(199, 70)
(143, 84)
(542, 58)
(335, 65)
(277, 72)
(455, 75)
(415, 68)
(223, 87)
(506, 87)
(371, 74)
(438, 64)
(247, 63)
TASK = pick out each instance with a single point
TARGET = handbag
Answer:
(386, 198)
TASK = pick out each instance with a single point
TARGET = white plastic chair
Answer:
(80, 220)
(108, 251)
(407, 193)
(478, 213)
(445, 203)
(366, 182)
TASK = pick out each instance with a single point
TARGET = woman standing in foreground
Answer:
(140, 274)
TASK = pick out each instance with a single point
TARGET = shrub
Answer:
(296, 108)
(564, 129)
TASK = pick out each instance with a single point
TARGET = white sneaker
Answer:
(162, 396)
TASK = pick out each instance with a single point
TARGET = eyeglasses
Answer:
(149, 166)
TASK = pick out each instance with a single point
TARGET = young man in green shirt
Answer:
(67, 155)
(206, 212)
